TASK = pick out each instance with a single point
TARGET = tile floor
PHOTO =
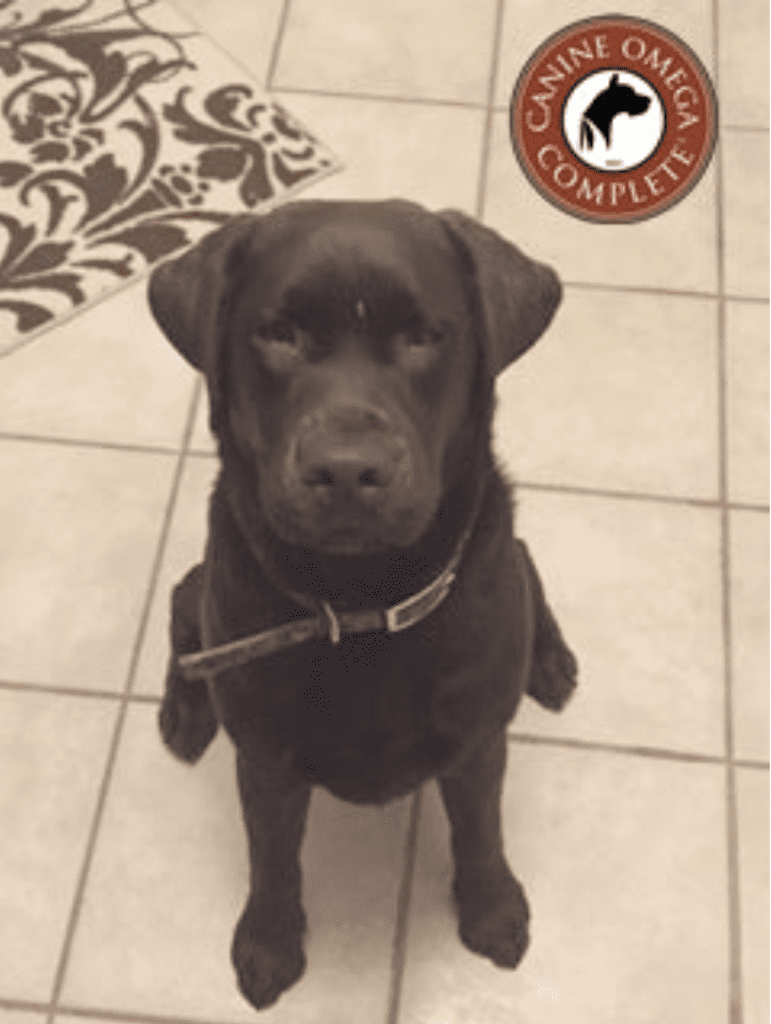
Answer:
(638, 429)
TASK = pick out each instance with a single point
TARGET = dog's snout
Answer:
(348, 452)
(347, 470)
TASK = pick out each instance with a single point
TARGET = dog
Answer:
(606, 105)
(364, 618)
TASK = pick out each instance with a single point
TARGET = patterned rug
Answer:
(125, 136)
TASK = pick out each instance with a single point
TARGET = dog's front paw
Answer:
(268, 954)
(493, 914)
(186, 719)
(553, 677)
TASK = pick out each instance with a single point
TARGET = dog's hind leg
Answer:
(187, 720)
(554, 668)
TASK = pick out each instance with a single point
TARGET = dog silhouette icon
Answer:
(614, 100)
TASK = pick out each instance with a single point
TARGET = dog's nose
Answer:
(349, 453)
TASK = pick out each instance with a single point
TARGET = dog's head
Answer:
(350, 351)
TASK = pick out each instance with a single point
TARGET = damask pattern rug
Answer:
(125, 136)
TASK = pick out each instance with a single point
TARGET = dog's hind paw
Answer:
(187, 722)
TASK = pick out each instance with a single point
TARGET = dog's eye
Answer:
(280, 342)
(418, 347)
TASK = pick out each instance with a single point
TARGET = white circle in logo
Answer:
(613, 120)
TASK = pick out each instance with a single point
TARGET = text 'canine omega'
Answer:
(364, 618)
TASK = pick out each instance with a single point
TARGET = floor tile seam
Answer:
(752, 764)
(51, 690)
(487, 129)
(401, 927)
(122, 710)
(589, 746)
(369, 97)
(733, 904)
(615, 494)
(634, 750)
(655, 292)
(278, 41)
(758, 129)
(125, 1016)
(118, 1016)
(128, 447)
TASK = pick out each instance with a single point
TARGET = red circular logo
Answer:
(613, 119)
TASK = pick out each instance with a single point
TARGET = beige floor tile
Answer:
(247, 32)
(428, 154)
(620, 393)
(749, 632)
(106, 375)
(636, 589)
(529, 23)
(80, 530)
(747, 401)
(169, 881)
(752, 793)
(21, 1017)
(743, 27)
(409, 48)
(623, 862)
(674, 251)
(53, 751)
(745, 174)
(184, 548)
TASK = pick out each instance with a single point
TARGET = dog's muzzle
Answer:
(349, 458)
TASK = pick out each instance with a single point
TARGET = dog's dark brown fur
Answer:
(350, 351)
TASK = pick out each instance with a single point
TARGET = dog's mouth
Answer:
(347, 532)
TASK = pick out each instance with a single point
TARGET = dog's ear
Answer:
(189, 298)
(518, 295)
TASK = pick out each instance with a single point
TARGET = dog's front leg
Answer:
(492, 909)
(268, 943)
(187, 720)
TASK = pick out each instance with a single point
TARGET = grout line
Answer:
(401, 928)
(600, 286)
(751, 763)
(617, 495)
(85, 442)
(130, 1016)
(98, 816)
(754, 128)
(674, 292)
(275, 53)
(372, 97)
(626, 750)
(73, 691)
(487, 133)
(735, 994)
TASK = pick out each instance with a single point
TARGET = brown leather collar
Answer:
(327, 622)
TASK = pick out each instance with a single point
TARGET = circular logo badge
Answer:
(613, 119)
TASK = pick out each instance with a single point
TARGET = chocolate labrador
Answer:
(364, 618)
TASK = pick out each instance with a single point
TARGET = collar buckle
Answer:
(410, 611)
